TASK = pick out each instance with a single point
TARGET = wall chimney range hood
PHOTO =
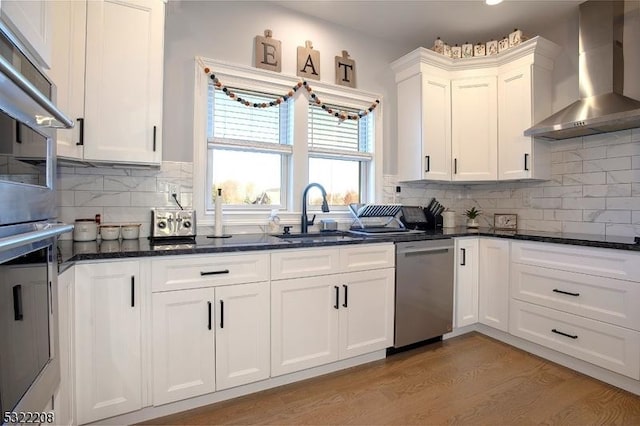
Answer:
(602, 107)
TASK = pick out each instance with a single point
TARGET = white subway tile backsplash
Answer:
(546, 203)
(608, 139)
(623, 150)
(102, 199)
(623, 176)
(614, 229)
(570, 215)
(607, 216)
(80, 183)
(583, 203)
(564, 168)
(596, 178)
(613, 190)
(635, 162)
(563, 191)
(623, 203)
(593, 153)
(128, 183)
(608, 164)
(584, 228)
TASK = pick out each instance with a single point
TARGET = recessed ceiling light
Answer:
(492, 2)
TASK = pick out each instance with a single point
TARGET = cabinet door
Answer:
(493, 283)
(63, 400)
(436, 128)
(474, 119)
(67, 71)
(466, 299)
(410, 158)
(31, 21)
(304, 323)
(107, 340)
(242, 334)
(366, 312)
(123, 98)
(183, 344)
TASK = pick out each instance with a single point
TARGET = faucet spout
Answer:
(305, 222)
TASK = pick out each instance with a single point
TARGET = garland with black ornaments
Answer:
(342, 115)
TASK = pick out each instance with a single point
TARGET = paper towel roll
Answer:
(218, 214)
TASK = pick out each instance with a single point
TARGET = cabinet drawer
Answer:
(366, 257)
(587, 260)
(608, 346)
(206, 271)
(304, 263)
(604, 299)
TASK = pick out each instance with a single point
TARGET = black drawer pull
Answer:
(526, 162)
(346, 295)
(555, 290)
(17, 303)
(209, 318)
(133, 291)
(455, 166)
(18, 132)
(80, 131)
(427, 167)
(564, 334)
(337, 305)
(464, 257)
(224, 271)
(154, 137)
(222, 314)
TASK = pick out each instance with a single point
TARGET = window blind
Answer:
(328, 135)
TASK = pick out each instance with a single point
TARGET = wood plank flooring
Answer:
(468, 380)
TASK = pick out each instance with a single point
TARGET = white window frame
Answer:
(271, 82)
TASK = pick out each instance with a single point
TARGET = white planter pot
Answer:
(472, 223)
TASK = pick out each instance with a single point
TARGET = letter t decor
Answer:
(345, 70)
(268, 52)
(308, 62)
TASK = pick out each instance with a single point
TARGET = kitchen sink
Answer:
(316, 238)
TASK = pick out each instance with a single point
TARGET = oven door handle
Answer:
(48, 231)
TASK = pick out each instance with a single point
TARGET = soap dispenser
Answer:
(274, 222)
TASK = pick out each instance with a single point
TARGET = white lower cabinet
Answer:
(605, 345)
(209, 339)
(242, 334)
(493, 283)
(183, 344)
(321, 319)
(466, 285)
(63, 398)
(107, 340)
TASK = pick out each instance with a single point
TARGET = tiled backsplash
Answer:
(594, 188)
(121, 195)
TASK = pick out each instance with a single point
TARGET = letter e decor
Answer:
(308, 62)
(268, 52)
(345, 70)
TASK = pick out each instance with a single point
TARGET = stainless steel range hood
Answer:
(602, 106)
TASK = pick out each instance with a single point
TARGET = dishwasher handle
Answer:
(434, 250)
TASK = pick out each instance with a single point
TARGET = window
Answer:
(339, 155)
(263, 158)
(248, 150)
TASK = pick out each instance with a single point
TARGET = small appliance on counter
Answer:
(171, 225)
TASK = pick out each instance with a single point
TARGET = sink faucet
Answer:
(304, 224)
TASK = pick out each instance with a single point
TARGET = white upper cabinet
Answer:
(31, 22)
(108, 65)
(524, 98)
(474, 129)
(464, 119)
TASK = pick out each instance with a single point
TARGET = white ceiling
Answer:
(417, 23)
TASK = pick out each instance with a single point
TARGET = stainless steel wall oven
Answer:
(29, 365)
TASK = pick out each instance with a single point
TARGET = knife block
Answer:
(434, 222)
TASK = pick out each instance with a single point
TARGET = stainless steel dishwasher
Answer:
(424, 290)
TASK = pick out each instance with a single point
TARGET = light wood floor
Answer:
(469, 380)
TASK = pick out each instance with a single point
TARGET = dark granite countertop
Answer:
(70, 251)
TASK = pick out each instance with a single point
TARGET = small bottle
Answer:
(274, 222)
(98, 218)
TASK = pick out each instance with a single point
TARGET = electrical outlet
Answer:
(173, 188)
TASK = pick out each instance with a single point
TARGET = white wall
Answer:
(225, 31)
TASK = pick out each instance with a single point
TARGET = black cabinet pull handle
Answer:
(346, 296)
(526, 162)
(464, 257)
(17, 303)
(455, 166)
(555, 290)
(155, 128)
(18, 132)
(572, 336)
(133, 291)
(223, 271)
(427, 167)
(209, 317)
(51, 297)
(81, 131)
(222, 314)
(337, 305)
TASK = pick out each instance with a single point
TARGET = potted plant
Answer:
(472, 217)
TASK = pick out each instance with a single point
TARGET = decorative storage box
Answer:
(515, 38)
(438, 46)
(492, 47)
(503, 44)
(479, 50)
(456, 52)
(467, 50)
(447, 50)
